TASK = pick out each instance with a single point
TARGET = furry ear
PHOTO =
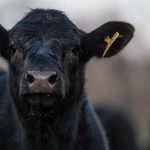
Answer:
(4, 41)
(107, 40)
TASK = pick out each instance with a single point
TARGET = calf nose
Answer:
(41, 81)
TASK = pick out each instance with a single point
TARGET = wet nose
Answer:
(41, 81)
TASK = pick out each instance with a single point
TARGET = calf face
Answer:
(47, 54)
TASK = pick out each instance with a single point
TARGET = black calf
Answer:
(118, 129)
(47, 108)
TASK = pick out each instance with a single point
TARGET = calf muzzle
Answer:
(41, 81)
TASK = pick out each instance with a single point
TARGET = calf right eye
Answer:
(13, 51)
(16, 55)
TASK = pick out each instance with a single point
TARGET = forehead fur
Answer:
(44, 16)
(44, 23)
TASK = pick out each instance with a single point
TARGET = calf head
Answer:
(47, 54)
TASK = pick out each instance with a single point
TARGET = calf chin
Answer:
(42, 104)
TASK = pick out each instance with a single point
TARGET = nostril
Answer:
(53, 78)
(30, 78)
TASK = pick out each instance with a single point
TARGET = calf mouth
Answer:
(45, 99)
(42, 104)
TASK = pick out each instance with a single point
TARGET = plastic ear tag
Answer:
(107, 39)
(109, 42)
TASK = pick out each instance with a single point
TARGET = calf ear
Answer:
(4, 41)
(106, 41)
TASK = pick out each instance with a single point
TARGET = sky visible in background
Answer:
(89, 14)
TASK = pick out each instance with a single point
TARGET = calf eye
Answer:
(13, 50)
(74, 50)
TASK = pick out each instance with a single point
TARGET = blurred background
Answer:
(122, 81)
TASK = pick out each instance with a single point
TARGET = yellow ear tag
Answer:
(107, 39)
(109, 42)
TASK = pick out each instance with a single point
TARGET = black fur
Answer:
(66, 120)
(118, 129)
